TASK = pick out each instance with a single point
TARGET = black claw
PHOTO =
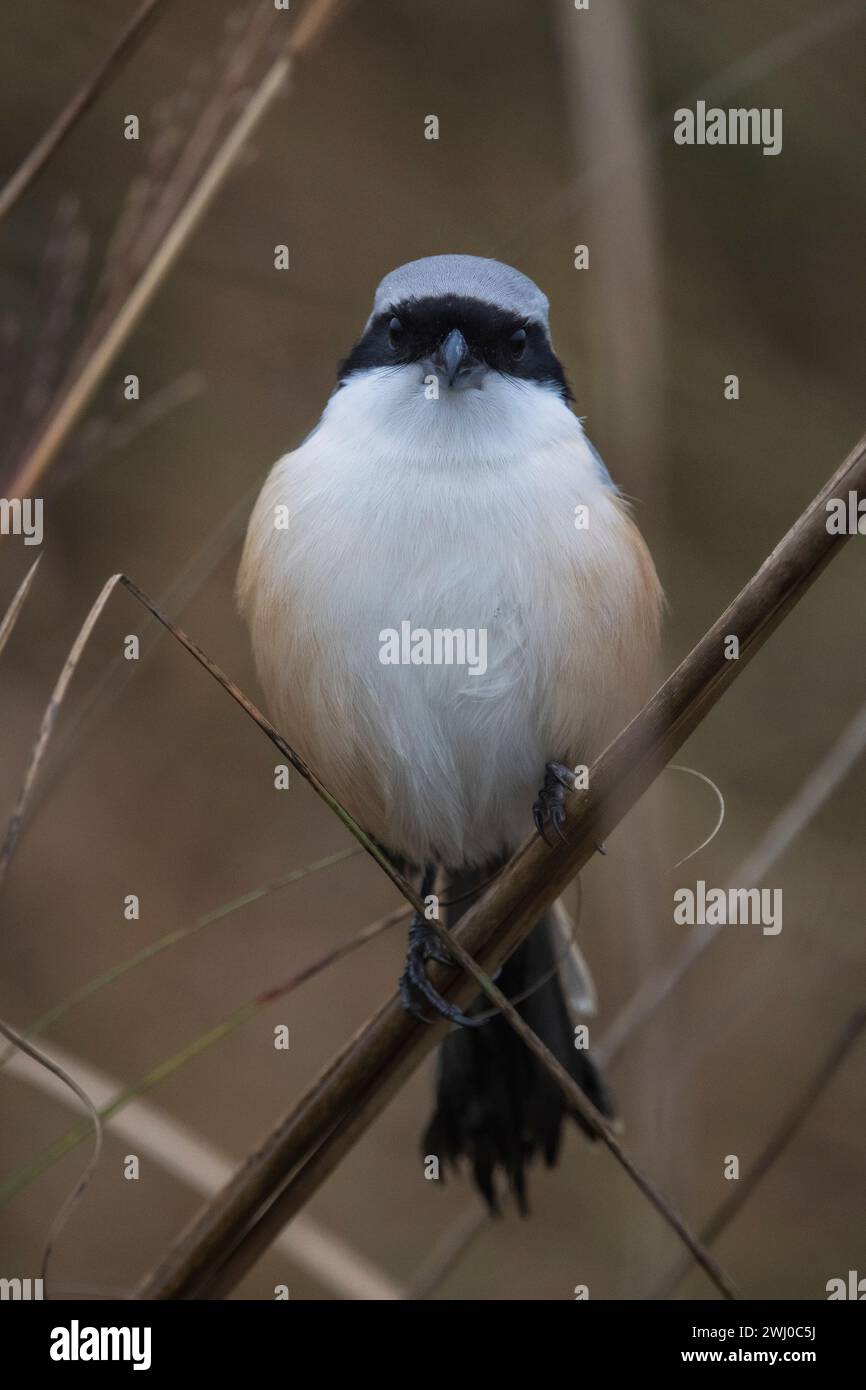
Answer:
(548, 812)
(548, 840)
(407, 999)
(424, 946)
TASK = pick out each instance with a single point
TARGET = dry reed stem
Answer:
(121, 50)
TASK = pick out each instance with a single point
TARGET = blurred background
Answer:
(555, 130)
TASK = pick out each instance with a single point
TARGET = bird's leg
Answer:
(425, 945)
(548, 812)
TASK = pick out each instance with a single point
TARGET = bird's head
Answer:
(461, 322)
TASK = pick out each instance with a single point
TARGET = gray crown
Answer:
(474, 277)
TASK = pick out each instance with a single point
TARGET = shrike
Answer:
(459, 611)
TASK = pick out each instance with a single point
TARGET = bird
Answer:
(451, 611)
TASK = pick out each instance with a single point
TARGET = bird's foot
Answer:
(425, 945)
(548, 811)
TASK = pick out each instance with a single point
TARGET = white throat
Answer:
(404, 415)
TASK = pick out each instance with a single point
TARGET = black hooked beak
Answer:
(454, 358)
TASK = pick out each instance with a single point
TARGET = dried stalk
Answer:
(793, 1120)
(13, 830)
(121, 50)
(145, 1128)
(47, 1020)
(20, 1178)
(776, 840)
(447, 1252)
(10, 617)
(66, 1077)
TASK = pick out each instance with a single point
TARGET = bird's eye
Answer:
(517, 344)
(396, 333)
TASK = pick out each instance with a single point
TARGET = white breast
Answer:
(459, 514)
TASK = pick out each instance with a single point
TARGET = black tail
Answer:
(495, 1104)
